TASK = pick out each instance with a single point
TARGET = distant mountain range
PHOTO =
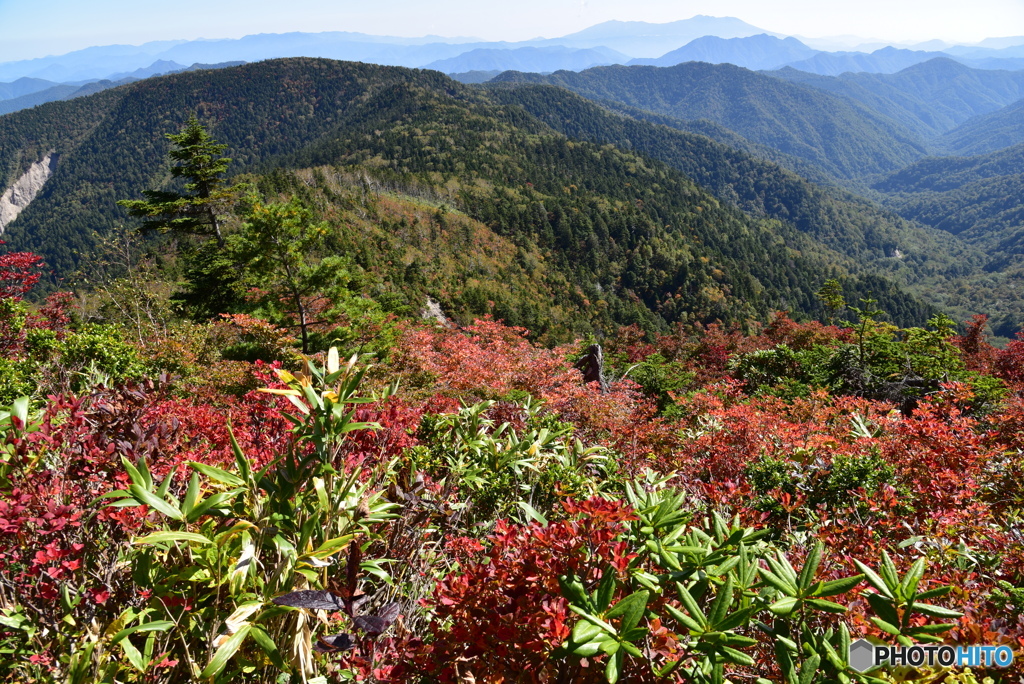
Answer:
(643, 39)
(754, 52)
(587, 219)
(716, 40)
(36, 91)
(541, 59)
(929, 98)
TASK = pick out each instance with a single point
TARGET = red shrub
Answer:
(501, 615)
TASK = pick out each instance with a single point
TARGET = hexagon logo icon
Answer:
(862, 655)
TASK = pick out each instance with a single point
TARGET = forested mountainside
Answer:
(986, 132)
(941, 174)
(838, 135)
(625, 229)
(979, 198)
(977, 271)
(930, 98)
(848, 224)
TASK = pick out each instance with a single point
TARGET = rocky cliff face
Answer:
(19, 195)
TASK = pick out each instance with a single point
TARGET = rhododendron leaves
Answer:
(872, 577)
(934, 611)
(827, 606)
(784, 607)
(683, 618)
(585, 631)
(839, 586)
(614, 666)
(592, 618)
(631, 609)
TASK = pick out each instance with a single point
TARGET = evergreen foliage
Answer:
(842, 137)
(635, 238)
(202, 168)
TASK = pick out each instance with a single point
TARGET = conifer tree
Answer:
(196, 211)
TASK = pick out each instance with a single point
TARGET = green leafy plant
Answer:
(895, 601)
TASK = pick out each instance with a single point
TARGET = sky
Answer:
(36, 28)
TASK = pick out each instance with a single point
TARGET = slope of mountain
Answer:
(752, 52)
(980, 198)
(845, 223)
(885, 60)
(630, 238)
(70, 91)
(408, 250)
(57, 92)
(839, 136)
(929, 98)
(24, 86)
(986, 132)
(940, 174)
(475, 76)
(540, 59)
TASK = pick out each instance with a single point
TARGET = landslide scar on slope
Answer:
(25, 189)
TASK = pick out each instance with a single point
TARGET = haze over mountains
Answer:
(703, 38)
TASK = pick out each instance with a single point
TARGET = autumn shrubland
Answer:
(241, 455)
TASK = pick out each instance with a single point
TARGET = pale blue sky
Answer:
(34, 28)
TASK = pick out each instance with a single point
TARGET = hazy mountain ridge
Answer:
(713, 39)
(929, 98)
(67, 91)
(643, 39)
(840, 136)
(551, 58)
(754, 52)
